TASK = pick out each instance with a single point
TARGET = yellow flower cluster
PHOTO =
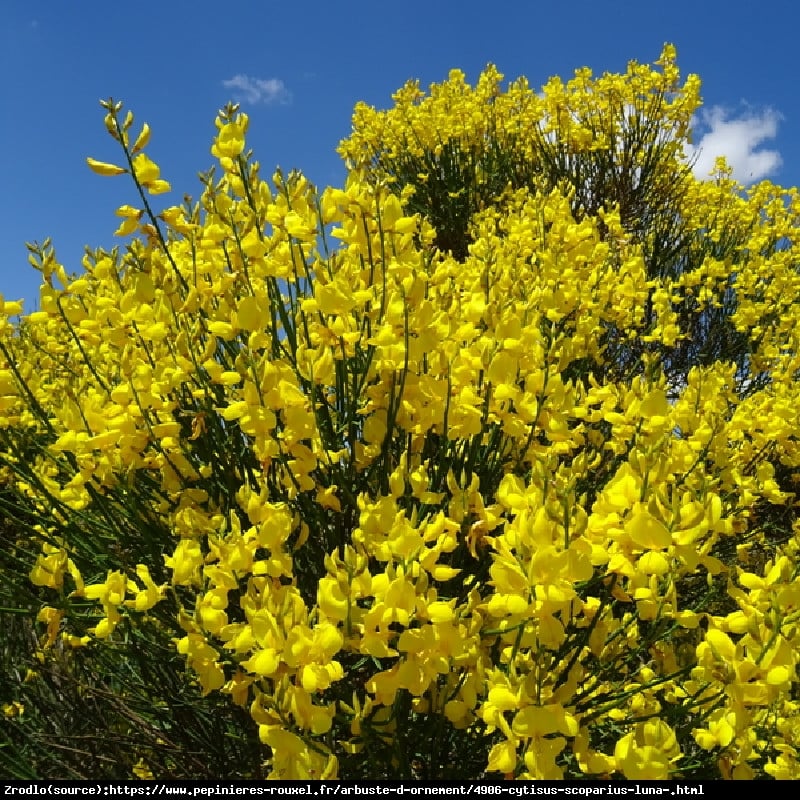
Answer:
(477, 117)
(380, 467)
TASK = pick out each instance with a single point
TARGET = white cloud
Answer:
(739, 140)
(258, 90)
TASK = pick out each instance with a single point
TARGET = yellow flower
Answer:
(648, 752)
(311, 652)
(13, 709)
(502, 757)
(647, 531)
(148, 597)
(230, 141)
(111, 592)
(204, 661)
(145, 170)
(52, 617)
(142, 771)
(185, 562)
(263, 662)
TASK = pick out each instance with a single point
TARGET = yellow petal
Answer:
(535, 721)
(722, 644)
(102, 168)
(10, 308)
(264, 663)
(332, 300)
(503, 698)
(777, 676)
(285, 742)
(502, 758)
(653, 563)
(127, 227)
(159, 187)
(655, 404)
(440, 612)
(142, 139)
(647, 531)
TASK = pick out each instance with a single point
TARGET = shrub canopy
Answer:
(481, 462)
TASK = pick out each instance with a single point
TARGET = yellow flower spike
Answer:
(103, 168)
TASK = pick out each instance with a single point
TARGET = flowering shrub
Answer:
(483, 459)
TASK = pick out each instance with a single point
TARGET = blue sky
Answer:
(299, 68)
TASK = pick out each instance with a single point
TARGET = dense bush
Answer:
(480, 463)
